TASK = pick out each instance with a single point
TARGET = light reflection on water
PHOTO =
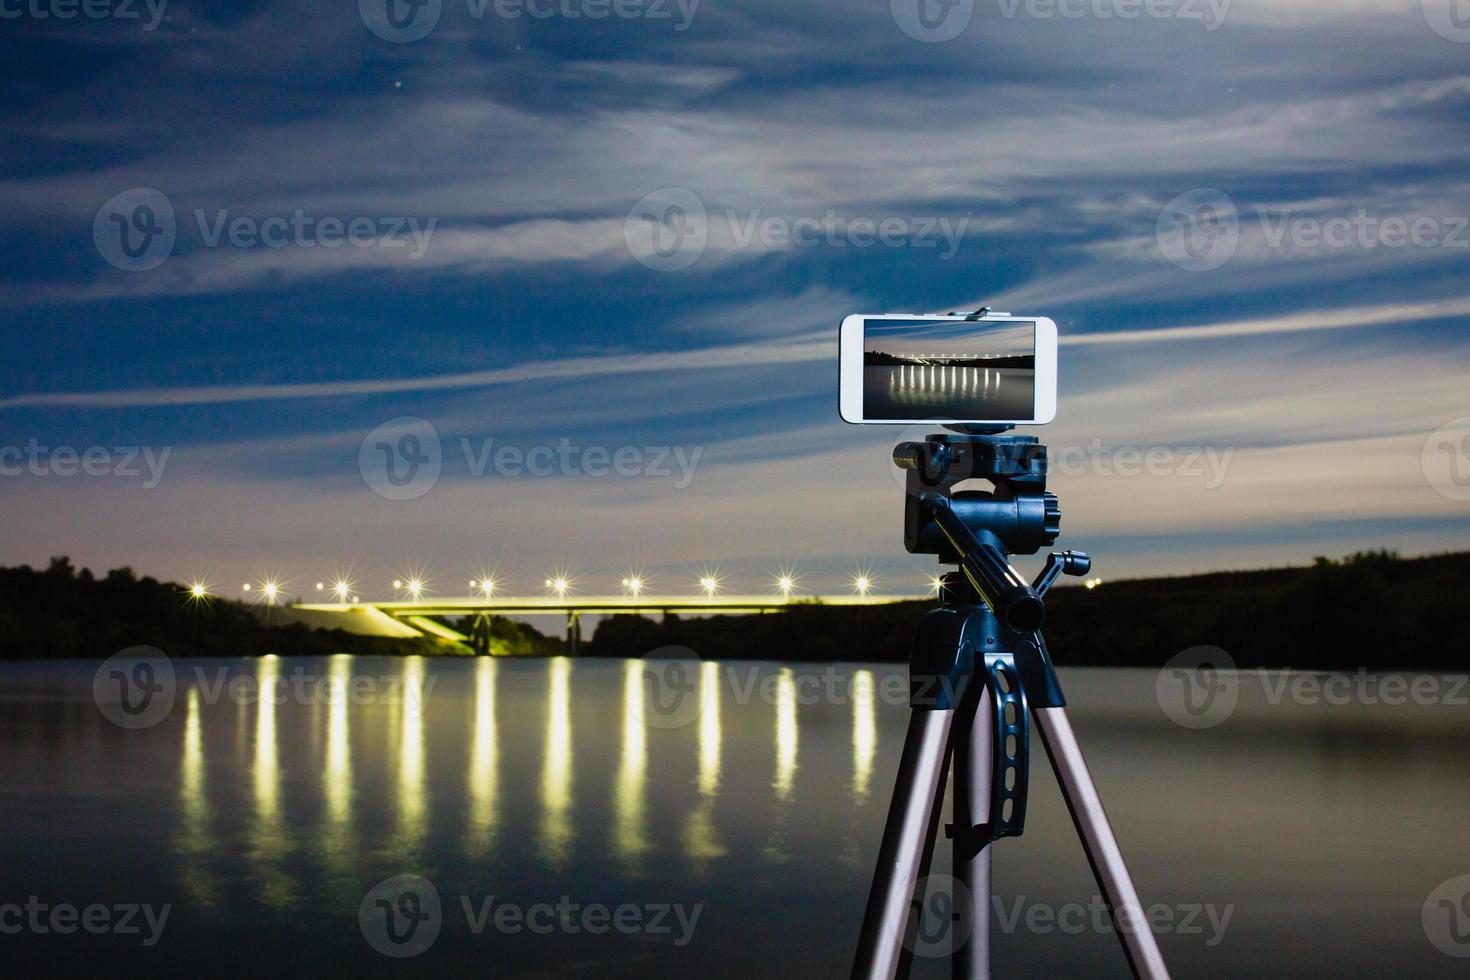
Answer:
(484, 762)
(556, 771)
(264, 822)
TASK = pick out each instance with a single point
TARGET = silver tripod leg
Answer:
(1098, 841)
(974, 761)
(907, 837)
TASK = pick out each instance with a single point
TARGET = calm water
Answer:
(918, 392)
(1322, 828)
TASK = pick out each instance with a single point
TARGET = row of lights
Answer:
(558, 585)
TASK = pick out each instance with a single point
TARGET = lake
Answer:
(572, 823)
(931, 391)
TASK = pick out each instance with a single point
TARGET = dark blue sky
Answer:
(639, 232)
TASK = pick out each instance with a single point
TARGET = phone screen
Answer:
(956, 369)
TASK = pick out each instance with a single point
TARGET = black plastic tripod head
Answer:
(978, 529)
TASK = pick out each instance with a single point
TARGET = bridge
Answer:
(424, 616)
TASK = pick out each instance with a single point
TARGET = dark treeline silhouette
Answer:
(1372, 610)
(878, 358)
(63, 612)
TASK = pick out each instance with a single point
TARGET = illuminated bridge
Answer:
(425, 616)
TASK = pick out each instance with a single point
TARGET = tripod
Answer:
(979, 676)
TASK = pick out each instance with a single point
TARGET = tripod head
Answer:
(978, 529)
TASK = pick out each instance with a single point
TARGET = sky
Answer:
(297, 290)
(943, 337)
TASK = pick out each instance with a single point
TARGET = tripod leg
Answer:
(974, 745)
(1102, 850)
(907, 839)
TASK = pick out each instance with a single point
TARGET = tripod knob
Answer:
(1053, 508)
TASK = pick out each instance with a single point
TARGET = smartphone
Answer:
(908, 368)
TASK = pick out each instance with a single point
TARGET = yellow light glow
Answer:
(935, 583)
(320, 586)
(199, 591)
(786, 583)
(342, 589)
(398, 583)
(633, 585)
(560, 584)
(862, 585)
(487, 586)
(1092, 583)
(271, 590)
(709, 584)
(415, 588)
(245, 587)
